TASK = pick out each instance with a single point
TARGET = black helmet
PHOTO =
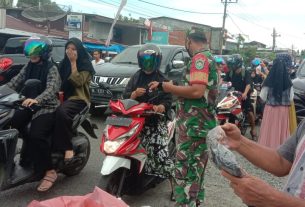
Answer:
(149, 57)
(235, 62)
(38, 46)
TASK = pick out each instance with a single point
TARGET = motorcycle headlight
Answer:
(113, 146)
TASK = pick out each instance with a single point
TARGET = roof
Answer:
(17, 24)
(180, 20)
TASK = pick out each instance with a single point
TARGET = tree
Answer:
(6, 3)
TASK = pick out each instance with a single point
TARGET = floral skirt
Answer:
(155, 140)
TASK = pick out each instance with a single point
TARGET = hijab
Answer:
(83, 63)
(278, 79)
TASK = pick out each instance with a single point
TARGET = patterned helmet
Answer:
(235, 62)
(149, 57)
(38, 46)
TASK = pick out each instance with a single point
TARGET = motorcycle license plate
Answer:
(118, 121)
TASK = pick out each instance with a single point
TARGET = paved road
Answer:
(218, 192)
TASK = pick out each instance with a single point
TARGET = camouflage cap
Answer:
(197, 34)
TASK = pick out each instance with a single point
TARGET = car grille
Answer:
(109, 80)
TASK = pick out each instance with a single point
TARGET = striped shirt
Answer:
(293, 150)
(48, 98)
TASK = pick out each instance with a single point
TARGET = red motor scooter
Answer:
(122, 169)
(229, 107)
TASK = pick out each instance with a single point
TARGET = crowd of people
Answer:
(275, 152)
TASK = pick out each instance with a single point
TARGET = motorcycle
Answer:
(229, 107)
(12, 174)
(122, 169)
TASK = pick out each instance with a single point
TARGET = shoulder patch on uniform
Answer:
(199, 64)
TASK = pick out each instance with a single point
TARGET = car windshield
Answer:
(129, 56)
(302, 69)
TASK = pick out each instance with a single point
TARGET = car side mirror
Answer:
(178, 64)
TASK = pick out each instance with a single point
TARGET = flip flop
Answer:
(51, 181)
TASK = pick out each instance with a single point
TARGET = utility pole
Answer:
(274, 36)
(222, 38)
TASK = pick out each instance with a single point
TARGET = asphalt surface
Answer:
(217, 189)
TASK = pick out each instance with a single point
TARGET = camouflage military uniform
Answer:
(195, 118)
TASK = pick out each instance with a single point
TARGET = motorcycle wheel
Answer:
(110, 183)
(76, 170)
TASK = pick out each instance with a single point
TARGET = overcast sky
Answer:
(253, 18)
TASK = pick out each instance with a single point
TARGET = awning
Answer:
(112, 48)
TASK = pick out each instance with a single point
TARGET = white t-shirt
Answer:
(101, 61)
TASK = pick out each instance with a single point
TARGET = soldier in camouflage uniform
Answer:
(195, 117)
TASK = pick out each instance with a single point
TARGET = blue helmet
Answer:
(255, 62)
(219, 60)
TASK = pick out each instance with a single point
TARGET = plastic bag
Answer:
(98, 198)
(222, 157)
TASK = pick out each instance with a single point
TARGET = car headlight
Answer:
(125, 81)
(93, 84)
(113, 146)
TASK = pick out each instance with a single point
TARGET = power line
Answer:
(116, 6)
(236, 25)
(180, 10)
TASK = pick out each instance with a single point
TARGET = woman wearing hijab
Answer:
(277, 93)
(154, 133)
(37, 145)
(76, 72)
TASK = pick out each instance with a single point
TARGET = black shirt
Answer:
(238, 81)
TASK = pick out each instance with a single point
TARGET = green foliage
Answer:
(128, 19)
(6, 3)
(248, 54)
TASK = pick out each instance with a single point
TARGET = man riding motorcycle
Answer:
(241, 81)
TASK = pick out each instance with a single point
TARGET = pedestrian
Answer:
(277, 92)
(288, 159)
(97, 60)
(76, 73)
(38, 142)
(195, 117)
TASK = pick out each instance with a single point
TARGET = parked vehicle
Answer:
(125, 157)
(12, 58)
(299, 92)
(117, 73)
(12, 174)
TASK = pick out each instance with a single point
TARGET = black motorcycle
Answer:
(11, 172)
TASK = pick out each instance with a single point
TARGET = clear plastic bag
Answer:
(222, 157)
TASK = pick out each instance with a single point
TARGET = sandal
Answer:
(47, 182)
(68, 158)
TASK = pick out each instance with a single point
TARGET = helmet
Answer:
(219, 60)
(255, 62)
(235, 62)
(38, 46)
(149, 57)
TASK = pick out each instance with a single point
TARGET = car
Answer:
(116, 74)
(12, 58)
(299, 92)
